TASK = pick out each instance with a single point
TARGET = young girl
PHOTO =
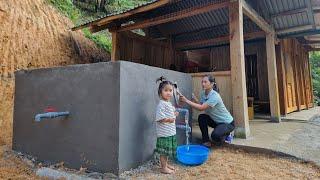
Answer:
(166, 128)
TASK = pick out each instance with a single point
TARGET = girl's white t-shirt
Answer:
(165, 110)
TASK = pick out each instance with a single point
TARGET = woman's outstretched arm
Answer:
(200, 107)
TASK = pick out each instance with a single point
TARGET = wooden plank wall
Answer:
(220, 60)
(223, 79)
(295, 88)
(296, 74)
(140, 49)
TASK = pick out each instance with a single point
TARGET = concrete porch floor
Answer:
(304, 115)
(297, 135)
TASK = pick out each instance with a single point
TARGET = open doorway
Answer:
(251, 76)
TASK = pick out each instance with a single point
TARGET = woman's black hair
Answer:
(212, 81)
(163, 83)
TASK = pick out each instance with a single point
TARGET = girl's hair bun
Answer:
(161, 79)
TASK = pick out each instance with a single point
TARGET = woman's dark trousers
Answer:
(220, 130)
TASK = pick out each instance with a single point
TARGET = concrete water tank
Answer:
(110, 127)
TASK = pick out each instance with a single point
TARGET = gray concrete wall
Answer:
(111, 127)
(89, 136)
(138, 103)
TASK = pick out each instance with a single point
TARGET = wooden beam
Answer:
(238, 76)
(309, 42)
(273, 78)
(221, 39)
(176, 15)
(295, 29)
(115, 53)
(290, 12)
(255, 17)
(146, 39)
(106, 20)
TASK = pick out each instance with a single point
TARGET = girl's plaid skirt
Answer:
(167, 146)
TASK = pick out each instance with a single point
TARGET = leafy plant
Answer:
(315, 67)
(84, 11)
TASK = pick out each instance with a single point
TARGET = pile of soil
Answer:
(13, 167)
(35, 35)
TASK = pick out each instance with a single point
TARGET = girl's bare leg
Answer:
(164, 165)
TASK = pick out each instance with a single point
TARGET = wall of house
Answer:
(223, 79)
(294, 76)
(142, 50)
(295, 88)
(220, 61)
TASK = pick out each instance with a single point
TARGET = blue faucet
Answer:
(38, 117)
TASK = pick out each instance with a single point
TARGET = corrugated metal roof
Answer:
(218, 19)
(212, 18)
(290, 20)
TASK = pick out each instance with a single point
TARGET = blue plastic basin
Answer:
(195, 156)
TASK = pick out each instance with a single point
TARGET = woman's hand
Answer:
(199, 107)
(176, 113)
(183, 99)
(194, 98)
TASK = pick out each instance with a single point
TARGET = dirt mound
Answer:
(34, 35)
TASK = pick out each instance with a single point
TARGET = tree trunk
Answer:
(102, 5)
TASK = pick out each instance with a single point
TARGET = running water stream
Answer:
(186, 126)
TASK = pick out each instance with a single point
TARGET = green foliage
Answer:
(100, 38)
(67, 8)
(122, 5)
(83, 12)
(315, 66)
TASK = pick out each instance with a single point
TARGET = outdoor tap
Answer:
(39, 117)
(187, 128)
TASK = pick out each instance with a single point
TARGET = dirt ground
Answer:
(33, 35)
(224, 163)
(12, 167)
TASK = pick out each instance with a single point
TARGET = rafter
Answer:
(255, 17)
(221, 39)
(176, 15)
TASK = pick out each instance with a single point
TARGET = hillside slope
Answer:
(33, 35)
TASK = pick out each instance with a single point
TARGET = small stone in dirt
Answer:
(95, 175)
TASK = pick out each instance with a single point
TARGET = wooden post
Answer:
(272, 78)
(295, 74)
(172, 51)
(303, 73)
(115, 53)
(238, 78)
(282, 80)
(311, 83)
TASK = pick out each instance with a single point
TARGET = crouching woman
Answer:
(215, 114)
